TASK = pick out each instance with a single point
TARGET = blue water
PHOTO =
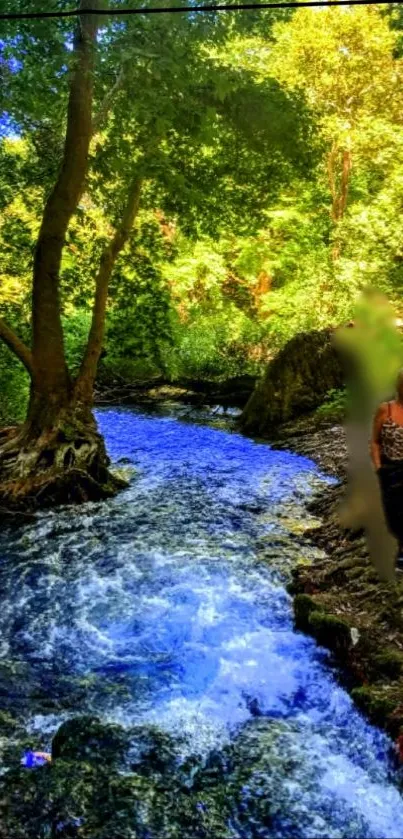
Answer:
(167, 605)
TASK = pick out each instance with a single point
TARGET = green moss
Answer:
(303, 608)
(389, 663)
(88, 739)
(355, 573)
(330, 631)
(376, 706)
(7, 723)
(69, 432)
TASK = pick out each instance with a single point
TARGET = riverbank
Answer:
(340, 600)
(232, 393)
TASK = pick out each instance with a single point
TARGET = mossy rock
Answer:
(72, 798)
(373, 704)
(88, 739)
(152, 751)
(330, 631)
(296, 381)
(123, 473)
(304, 606)
(392, 615)
(388, 663)
(7, 723)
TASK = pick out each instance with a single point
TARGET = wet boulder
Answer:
(330, 632)
(304, 606)
(84, 792)
(152, 751)
(89, 740)
(377, 706)
(273, 785)
(295, 383)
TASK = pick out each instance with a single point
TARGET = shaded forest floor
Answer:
(340, 600)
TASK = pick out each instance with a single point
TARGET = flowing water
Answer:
(165, 607)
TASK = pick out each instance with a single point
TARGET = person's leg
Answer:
(395, 510)
(391, 485)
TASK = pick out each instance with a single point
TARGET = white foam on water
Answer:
(161, 588)
(380, 803)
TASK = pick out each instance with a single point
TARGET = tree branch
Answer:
(86, 377)
(108, 102)
(109, 99)
(17, 347)
(345, 181)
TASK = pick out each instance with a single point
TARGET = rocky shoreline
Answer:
(341, 601)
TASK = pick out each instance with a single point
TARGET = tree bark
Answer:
(85, 380)
(332, 180)
(58, 455)
(50, 369)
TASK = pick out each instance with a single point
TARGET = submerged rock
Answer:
(246, 789)
(88, 739)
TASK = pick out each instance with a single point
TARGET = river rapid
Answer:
(164, 611)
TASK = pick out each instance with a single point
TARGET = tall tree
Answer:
(59, 432)
(344, 61)
(159, 101)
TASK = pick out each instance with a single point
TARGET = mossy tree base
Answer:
(64, 462)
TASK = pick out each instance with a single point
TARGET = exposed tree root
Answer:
(65, 464)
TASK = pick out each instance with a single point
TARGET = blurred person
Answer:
(387, 457)
(371, 349)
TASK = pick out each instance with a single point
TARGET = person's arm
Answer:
(379, 420)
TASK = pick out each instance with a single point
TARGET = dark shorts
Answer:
(391, 482)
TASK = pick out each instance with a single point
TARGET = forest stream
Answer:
(164, 610)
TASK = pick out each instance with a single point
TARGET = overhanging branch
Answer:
(17, 346)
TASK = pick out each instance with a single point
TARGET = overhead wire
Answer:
(218, 7)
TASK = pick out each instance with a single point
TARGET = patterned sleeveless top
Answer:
(392, 438)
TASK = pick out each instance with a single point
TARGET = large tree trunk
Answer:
(50, 370)
(57, 455)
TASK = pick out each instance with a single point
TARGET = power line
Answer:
(231, 7)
